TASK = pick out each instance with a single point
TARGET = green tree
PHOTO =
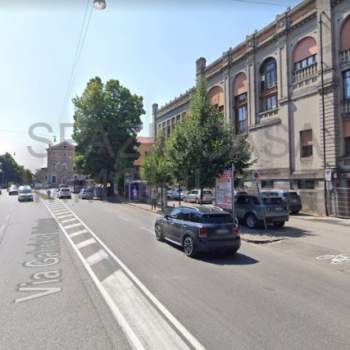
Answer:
(106, 122)
(203, 145)
(12, 172)
(156, 169)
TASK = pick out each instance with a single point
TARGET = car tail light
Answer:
(235, 231)
(203, 232)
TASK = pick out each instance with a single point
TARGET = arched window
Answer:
(268, 86)
(240, 94)
(216, 97)
(345, 35)
(304, 53)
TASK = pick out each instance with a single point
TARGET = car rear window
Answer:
(216, 219)
(293, 195)
(273, 200)
(207, 192)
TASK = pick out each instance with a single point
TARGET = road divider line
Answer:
(75, 234)
(72, 226)
(97, 257)
(84, 244)
(132, 338)
(141, 314)
(64, 216)
(166, 313)
(68, 220)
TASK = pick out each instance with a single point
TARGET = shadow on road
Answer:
(284, 232)
(221, 259)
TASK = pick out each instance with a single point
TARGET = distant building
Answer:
(60, 158)
(146, 144)
(287, 87)
(41, 176)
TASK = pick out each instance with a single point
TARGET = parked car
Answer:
(253, 211)
(25, 194)
(97, 193)
(175, 194)
(199, 229)
(86, 193)
(13, 190)
(64, 192)
(292, 197)
(194, 196)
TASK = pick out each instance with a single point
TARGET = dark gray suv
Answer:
(199, 229)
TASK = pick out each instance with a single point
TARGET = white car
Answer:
(64, 192)
(194, 196)
(25, 194)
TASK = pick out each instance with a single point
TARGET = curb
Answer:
(144, 209)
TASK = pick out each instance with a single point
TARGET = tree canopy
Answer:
(12, 172)
(203, 145)
(106, 122)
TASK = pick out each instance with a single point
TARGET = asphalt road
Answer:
(120, 286)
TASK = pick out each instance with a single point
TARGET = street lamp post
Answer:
(100, 4)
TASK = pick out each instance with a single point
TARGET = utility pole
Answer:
(323, 117)
(233, 193)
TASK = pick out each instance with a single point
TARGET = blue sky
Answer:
(149, 46)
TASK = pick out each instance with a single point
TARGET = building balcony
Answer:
(306, 73)
(344, 56)
(346, 107)
(270, 113)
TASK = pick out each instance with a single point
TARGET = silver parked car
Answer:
(254, 211)
(194, 196)
(86, 193)
(64, 192)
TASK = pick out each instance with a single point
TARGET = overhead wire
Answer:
(78, 51)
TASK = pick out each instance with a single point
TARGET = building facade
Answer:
(60, 164)
(287, 86)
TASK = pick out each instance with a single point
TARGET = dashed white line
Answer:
(141, 314)
(75, 234)
(84, 244)
(68, 220)
(64, 216)
(97, 257)
(139, 335)
(71, 226)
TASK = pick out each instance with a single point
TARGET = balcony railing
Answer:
(268, 114)
(345, 56)
(346, 107)
(305, 73)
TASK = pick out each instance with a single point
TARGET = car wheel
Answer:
(278, 224)
(159, 233)
(295, 212)
(189, 247)
(251, 221)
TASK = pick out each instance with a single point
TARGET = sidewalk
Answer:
(252, 236)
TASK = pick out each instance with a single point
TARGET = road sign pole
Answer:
(233, 192)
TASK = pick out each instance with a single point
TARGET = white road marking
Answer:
(151, 328)
(68, 220)
(121, 319)
(74, 234)
(85, 243)
(335, 259)
(64, 216)
(71, 226)
(97, 257)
